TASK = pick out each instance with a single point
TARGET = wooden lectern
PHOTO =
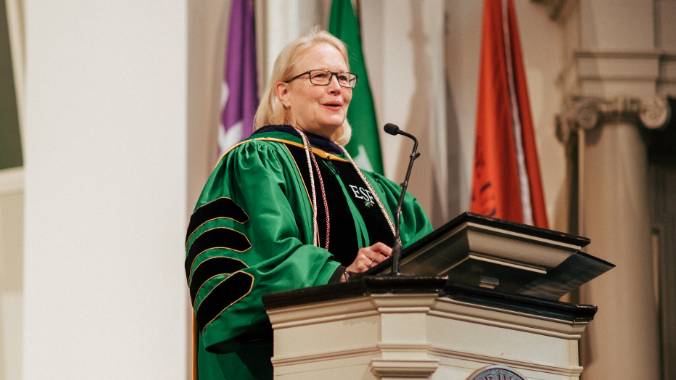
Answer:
(477, 299)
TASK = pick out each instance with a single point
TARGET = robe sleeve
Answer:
(250, 235)
(414, 221)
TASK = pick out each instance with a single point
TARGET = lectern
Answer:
(477, 299)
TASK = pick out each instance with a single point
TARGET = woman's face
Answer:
(313, 108)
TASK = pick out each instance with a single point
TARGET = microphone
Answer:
(396, 250)
(392, 129)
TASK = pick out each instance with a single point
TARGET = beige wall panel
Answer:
(604, 24)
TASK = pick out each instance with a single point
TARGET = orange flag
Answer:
(506, 182)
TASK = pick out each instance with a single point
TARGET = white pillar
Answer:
(615, 214)
(617, 219)
(614, 70)
(105, 190)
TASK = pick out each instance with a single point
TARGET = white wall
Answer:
(105, 193)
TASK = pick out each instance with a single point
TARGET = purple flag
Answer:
(239, 95)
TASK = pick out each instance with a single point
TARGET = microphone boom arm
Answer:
(396, 250)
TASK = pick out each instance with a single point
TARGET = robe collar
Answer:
(315, 140)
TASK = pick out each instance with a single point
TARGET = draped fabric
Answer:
(506, 183)
(239, 91)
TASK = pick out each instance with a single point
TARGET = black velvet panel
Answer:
(223, 296)
(216, 238)
(379, 230)
(219, 208)
(342, 242)
(212, 267)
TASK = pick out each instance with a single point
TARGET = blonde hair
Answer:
(270, 110)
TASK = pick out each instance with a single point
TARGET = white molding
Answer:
(280, 361)
(635, 72)
(507, 319)
(300, 321)
(11, 181)
(397, 368)
(424, 349)
(330, 311)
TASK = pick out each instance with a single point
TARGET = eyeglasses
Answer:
(323, 78)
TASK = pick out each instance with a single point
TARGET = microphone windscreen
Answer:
(391, 129)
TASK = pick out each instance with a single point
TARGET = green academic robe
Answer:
(251, 233)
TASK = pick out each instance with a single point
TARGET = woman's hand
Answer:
(368, 257)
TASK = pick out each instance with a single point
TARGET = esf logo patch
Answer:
(363, 195)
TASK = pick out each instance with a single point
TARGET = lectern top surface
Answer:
(509, 257)
(468, 217)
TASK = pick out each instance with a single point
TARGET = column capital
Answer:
(589, 112)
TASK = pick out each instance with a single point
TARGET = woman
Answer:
(284, 209)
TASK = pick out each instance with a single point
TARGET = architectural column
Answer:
(105, 214)
(613, 84)
(614, 212)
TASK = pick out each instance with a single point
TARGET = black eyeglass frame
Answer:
(333, 73)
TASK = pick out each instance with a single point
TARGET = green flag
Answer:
(365, 144)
